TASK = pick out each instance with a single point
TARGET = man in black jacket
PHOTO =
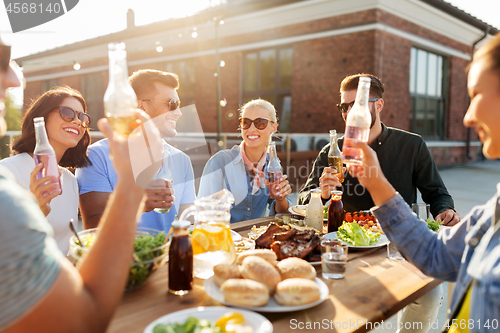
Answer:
(404, 159)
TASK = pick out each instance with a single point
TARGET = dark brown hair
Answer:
(143, 81)
(49, 101)
(351, 83)
(490, 53)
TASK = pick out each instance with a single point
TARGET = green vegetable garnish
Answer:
(433, 225)
(143, 265)
(353, 234)
(191, 325)
(325, 212)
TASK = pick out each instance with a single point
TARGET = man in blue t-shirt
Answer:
(157, 95)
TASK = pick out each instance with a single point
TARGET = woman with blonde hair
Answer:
(243, 168)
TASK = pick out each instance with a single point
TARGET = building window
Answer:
(267, 74)
(92, 90)
(49, 84)
(427, 94)
(186, 70)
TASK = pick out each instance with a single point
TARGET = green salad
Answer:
(143, 264)
(325, 212)
(191, 325)
(433, 225)
(353, 234)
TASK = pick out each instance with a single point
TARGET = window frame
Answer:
(439, 130)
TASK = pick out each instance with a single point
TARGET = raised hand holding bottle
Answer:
(44, 153)
(357, 123)
(274, 172)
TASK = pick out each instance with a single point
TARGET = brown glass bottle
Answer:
(180, 260)
(336, 212)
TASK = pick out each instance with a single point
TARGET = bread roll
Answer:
(245, 292)
(266, 254)
(296, 268)
(225, 272)
(296, 292)
(260, 270)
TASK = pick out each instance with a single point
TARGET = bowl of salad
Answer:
(150, 253)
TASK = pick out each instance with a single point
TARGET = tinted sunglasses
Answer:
(259, 123)
(68, 114)
(344, 107)
(4, 57)
(172, 104)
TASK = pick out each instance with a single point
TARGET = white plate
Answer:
(382, 241)
(299, 210)
(258, 322)
(272, 306)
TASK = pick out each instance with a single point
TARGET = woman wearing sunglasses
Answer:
(242, 169)
(66, 122)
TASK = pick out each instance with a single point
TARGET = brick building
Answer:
(295, 53)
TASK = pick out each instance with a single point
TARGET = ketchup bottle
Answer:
(336, 212)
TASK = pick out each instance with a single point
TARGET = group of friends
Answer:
(38, 285)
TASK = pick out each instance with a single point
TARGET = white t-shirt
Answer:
(64, 207)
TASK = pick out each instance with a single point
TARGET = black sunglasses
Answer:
(172, 104)
(259, 123)
(344, 107)
(4, 57)
(68, 114)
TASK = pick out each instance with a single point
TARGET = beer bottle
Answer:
(334, 158)
(336, 212)
(357, 123)
(180, 259)
(164, 173)
(120, 100)
(44, 153)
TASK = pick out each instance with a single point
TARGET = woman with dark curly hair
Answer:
(66, 122)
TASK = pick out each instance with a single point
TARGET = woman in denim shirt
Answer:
(469, 252)
(243, 168)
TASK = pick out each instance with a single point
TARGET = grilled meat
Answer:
(305, 235)
(294, 247)
(281, 236)
(266, 239)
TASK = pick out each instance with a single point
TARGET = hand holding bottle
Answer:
(160, 196)
(45, 189)
(329, 182)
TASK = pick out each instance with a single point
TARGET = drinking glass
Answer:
(422, 210)
(333, 259)
(393, 252)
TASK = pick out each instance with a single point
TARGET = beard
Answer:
(373, 113)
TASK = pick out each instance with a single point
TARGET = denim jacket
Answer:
(466, 253)
(227, 170)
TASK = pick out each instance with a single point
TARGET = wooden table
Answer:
(374, 289)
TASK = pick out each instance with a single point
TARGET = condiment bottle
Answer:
(180, 259)
(164, 173)
(274, 171)
(357, 123)
(334, 158)
(315, 211)
(120, 100)
(336, 212)
(44, 153)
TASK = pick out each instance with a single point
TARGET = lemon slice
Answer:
(201, 239)
(229, 318)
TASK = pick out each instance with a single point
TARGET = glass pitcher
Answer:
(211, 239)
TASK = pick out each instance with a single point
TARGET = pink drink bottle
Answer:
(44, 153)
(274, 171)
(357, 123)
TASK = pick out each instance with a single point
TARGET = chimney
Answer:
(130, 19)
